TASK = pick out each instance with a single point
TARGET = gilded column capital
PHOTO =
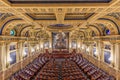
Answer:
(2, 43)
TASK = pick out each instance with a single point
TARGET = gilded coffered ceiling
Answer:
(49, 14)
(57, 1)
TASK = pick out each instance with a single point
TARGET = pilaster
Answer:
(112, 54)
(117, 56)
(3, 55)
(8, 55)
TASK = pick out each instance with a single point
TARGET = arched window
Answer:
(12, 32)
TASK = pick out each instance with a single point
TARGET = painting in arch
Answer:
(60, 40)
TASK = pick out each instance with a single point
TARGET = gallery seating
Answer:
(72, 67)
(48, 72)
(70, 71)
(31, 69)
(67, 70)
(93, 72)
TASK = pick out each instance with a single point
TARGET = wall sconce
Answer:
(82, 47)
(96, 53)
(78, 45)
(41, 46)
(87, 49)
(32, 50)
(37, 47)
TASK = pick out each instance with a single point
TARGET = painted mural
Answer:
(60, 40)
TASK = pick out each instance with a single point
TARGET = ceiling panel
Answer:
(59, 1)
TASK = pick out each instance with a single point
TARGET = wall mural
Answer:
(60, 40)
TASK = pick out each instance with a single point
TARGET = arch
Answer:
(24, 28)
(11, 20)
(83, 33)
(77, 33)
(111, 21)
(105, 24)
(96, 28)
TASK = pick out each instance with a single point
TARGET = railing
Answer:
(111, 37)
(14, 38)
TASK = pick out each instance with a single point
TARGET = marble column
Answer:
(3, 55)
(50, 44)
(17, 52)
(78, 45)
(91, 49)
(29, 50)
(39, 45)
(70, 45)
(117, 56)
(112, 55)
(98, 50)
(21, 50)
(8, 54)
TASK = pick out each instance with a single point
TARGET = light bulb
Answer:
(82, 47)
(88, 49)
(96, 53)
(25, 53)
(32, 50)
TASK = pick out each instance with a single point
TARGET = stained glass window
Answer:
(12, 32)
(107, 32)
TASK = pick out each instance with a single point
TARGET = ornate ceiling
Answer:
(43, 13)
(57, 1)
